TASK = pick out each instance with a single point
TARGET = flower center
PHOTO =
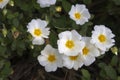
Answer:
(73, 58)
(102, 38)
(77, 15)
(69, 44)
(85, 51)
(1, 0)
(51, 58)
(37, 32)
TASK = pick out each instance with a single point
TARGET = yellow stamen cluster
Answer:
(51, 58)
(102, 38)
(37, 32)
(77, 15)
(69, 44)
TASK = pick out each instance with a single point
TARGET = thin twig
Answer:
(66, 75)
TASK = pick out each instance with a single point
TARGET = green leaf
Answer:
(1, 78)
(13, 45)
(87, 1)
(15, 22)
(103, 73)
(117, 2)
(60, 23)
(86, 74)
(84, 28)
(111, 73)
(20, 45)
(53, 39)
(6, 70)
(2, 62)
(118, 78)
(66, 5)
(102, 65)
(74, 25)
(114, 61)
(2, 50)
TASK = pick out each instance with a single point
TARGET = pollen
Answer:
(77, 15)
(85, 51)
(69, 44)
(73, 58)
(1, 0)
(102, 38)
(51, 58)
(37, 32)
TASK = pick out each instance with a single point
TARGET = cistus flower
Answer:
(89, 52)
(79, 13)
(38, 30)
(3, 3)
(102, 37)
(50, 58)
(74, 62)
(70, 43)
(46, 3)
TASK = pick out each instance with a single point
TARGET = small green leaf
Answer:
(60, 23)
(2, 50)
(87, 1)
(6, 70)
(53, 39)
(118, 78)
(86, 74)
(13, 46)
(15, 22)
(2, 62)
(102, 65)
(114, 61)
(103, 73)
(117, 2)
(66, 5)
(1, 78)
(111, 73)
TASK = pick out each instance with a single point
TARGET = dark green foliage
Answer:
(17, 51)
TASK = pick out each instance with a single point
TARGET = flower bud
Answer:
(4, 32)
(58, 8)
(114, 50)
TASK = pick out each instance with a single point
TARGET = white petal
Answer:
(42, 23)
(80, 8)
(42, 60)
(38, 41)
(77, 65)
(65, 35)
(67, 62)
(86, 14)
(72, 11)
(3, 3)
(46, 3)
(50, 68)
(76, 34)
(88, 60)
(82, 20)
(45, 32)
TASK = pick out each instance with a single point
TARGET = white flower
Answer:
(50, 58)
(102, 37)
(89, 52)
(3, 3)
(46, 3)
(70, 43)
(74, 62)
(79, 13)
(38, 30)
